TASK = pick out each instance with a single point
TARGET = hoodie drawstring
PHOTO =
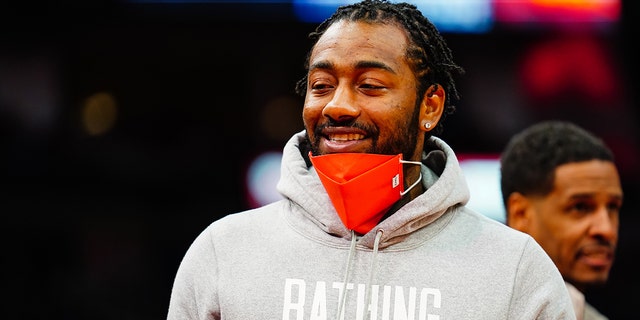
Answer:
(372, 270)
(369, 284)
(352, 250)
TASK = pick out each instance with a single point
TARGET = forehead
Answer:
(588, 177)
(361, 40)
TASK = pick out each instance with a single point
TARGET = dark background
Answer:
(95, 224)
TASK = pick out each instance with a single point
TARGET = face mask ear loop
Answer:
(402, 193)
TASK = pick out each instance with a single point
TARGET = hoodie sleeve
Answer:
(194, 295)
(537, 298)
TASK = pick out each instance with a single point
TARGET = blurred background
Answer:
(127, 127)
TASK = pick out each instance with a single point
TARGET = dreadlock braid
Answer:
(428, 54)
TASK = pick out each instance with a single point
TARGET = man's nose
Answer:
(605, 223)
(342, 105)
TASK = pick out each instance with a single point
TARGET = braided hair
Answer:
(428, 54)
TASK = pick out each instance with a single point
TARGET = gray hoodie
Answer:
(433, 259)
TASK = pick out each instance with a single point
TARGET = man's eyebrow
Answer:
(374, 65)
(321, 65)
(590, 195)
(360, 65)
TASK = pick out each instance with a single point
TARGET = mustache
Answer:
(349, 123)
(601, 246)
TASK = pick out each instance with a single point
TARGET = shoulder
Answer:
(467, 228)
(489, 226)
(247, 221)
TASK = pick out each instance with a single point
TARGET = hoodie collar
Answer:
(315, 217)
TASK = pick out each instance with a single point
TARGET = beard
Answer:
(402, 140)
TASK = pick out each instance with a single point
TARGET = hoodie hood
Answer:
(315, 217)
(433, 258)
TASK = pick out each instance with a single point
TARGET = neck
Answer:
(411, 175)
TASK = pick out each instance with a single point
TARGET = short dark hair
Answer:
(429, 55)
(529, 161)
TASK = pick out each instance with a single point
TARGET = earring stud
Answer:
(427, 125)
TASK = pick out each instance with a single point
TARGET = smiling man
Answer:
(373, 222)
(560, 185)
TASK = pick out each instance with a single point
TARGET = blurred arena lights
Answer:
(557, 12)
(452, 16)
(262, 176)
(482, 172)
(99, 113)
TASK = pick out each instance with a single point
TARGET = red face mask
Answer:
(362, 186)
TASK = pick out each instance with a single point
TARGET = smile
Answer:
(345, 137)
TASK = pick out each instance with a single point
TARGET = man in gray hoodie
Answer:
(373, 224)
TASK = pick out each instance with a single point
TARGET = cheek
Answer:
(397, 118)
(311, 115)
(563, 234)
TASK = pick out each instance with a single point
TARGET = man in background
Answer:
(560, 185)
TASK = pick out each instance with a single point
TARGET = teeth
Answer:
(346, 137)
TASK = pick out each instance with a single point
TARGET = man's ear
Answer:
(518, 211)
(432, 107)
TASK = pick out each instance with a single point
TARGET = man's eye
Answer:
(582, 207)
(320, 87)
(613, 207)
(370, 86)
